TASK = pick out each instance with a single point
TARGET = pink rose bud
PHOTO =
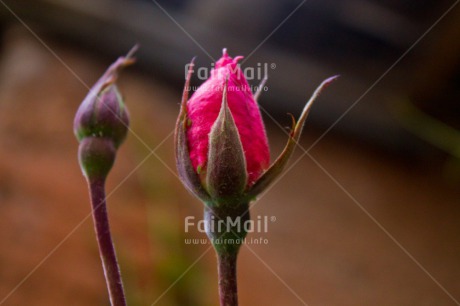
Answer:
(222, 157)
(222, 149)
(203, 109)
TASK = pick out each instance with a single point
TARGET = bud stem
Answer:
(228, 291)
(225, 227)
(104, 240)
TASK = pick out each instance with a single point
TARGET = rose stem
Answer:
(104, 240)
(228, 291)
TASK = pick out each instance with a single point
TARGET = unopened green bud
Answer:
(103, 114)
(102, 122)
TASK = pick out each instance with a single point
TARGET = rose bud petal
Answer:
(203, 109)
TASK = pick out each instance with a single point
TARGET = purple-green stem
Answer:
(227, 242)
(104, 240)
(228, 291)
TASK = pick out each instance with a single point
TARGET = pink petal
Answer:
(203, 108)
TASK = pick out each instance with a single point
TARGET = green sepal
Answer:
(226, 176)
(187, 174)
(277, 167)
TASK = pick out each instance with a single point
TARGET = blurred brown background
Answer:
(370, 216)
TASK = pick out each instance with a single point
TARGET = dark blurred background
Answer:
(360, 40)
(384, 139)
